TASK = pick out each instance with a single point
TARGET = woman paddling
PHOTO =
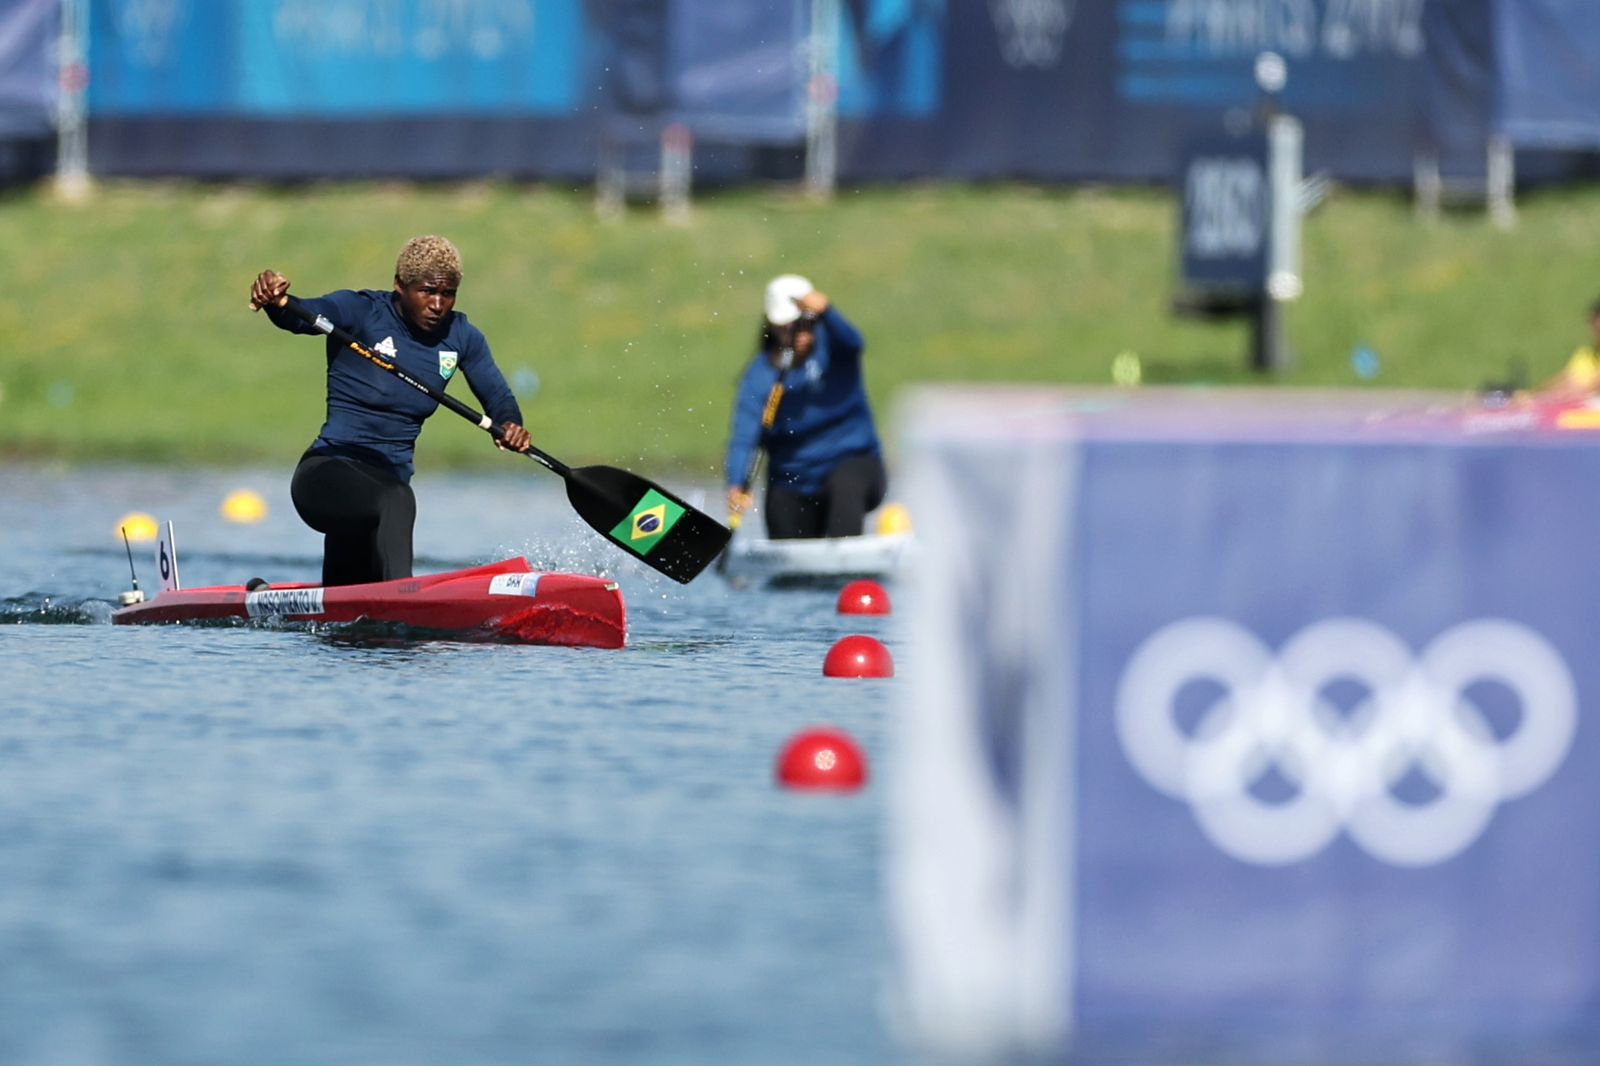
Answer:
(353, 483)
(824, 463)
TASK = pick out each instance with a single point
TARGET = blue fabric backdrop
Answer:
(1052, 90)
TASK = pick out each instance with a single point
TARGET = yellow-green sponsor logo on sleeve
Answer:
(651, 519)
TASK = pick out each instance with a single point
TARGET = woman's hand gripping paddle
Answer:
(637, 515)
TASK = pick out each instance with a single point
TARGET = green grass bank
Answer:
(125, 335)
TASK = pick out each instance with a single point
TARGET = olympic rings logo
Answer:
(1274, 714)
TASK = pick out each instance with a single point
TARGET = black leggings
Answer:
(855, 486)
(364, 513)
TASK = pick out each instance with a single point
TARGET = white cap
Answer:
(782, 292)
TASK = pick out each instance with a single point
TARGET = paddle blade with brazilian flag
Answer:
(646, 520)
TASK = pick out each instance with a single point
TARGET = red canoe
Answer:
(508, 600)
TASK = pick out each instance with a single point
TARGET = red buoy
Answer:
(822, 759)
(858, 656)
(863, 597)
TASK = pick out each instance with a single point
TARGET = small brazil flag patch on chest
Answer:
(651, 519)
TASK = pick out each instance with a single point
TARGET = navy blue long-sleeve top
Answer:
(373, 416)
(823, 419)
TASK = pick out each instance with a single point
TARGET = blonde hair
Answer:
(427, 257)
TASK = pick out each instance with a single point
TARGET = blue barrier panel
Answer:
(161, 58)
(1065, 89)
(739, 71)
(1549, 82)
(1456, 93)
(341, 88)
(327, 58)
(28, 31)
(1245, 724)
(890, 58)
(1055, 90)
(306, 57)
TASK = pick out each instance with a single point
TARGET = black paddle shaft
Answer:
(634, 513)
(482, 421)
(769, 415)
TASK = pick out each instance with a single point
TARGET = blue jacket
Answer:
(823, 419)
(373, 416)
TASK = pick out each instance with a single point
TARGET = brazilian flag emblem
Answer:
(651, 519)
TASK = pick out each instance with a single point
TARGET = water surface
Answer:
(274, 845)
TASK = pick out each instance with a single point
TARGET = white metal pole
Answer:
(72, 128)
(677, 171)
(1502, 181)
(822, 98)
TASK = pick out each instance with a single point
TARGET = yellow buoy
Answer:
(244, 507)
(1126, 370)
(138, 526)
(894, 518)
